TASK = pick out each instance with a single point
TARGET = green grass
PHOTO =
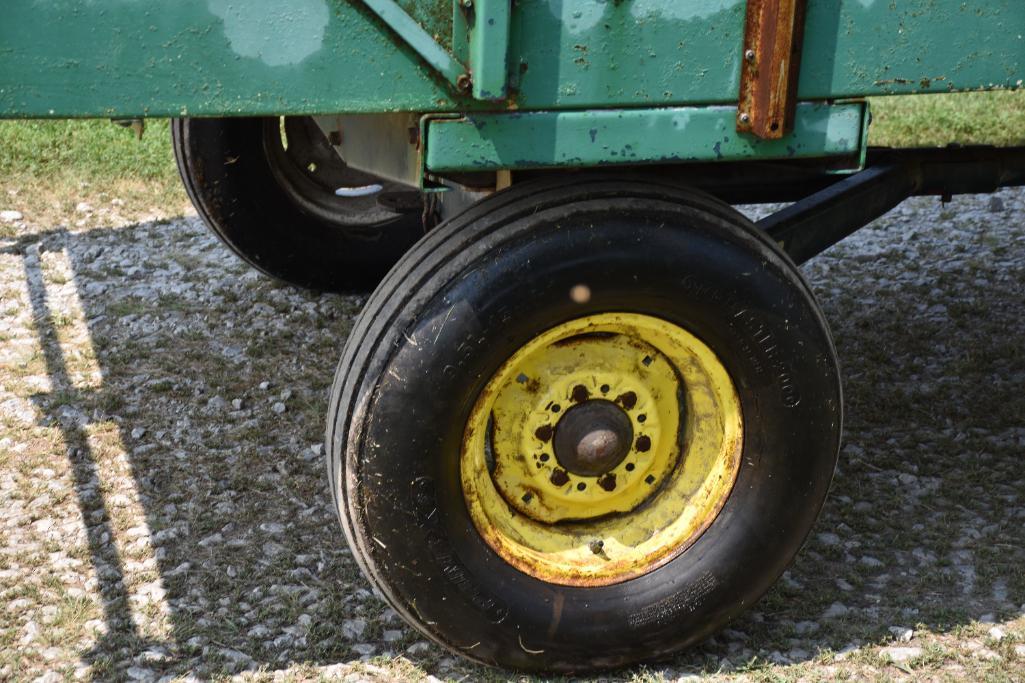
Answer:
(93, 151)
(993, 118)
(48, 167)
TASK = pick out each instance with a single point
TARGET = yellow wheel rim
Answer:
(601, 449)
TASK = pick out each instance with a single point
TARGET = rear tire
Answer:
(276, 208)
(451, 318)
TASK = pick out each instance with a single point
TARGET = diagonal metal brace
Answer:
(421, 41)
(814, 224)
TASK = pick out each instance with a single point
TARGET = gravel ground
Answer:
(163, 509)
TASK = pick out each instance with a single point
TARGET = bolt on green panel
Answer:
(489, 142)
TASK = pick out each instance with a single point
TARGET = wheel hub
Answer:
(592, 438)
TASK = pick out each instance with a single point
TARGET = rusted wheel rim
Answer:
(601, 449)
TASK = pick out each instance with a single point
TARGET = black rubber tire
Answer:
(230, 176)
(483, 284)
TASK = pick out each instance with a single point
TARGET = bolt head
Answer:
(749, 55)
(745, 117)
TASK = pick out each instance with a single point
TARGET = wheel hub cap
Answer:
(592, 438)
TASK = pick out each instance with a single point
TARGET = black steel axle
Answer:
(820, 220)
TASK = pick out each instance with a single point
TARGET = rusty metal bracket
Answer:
(771, 64)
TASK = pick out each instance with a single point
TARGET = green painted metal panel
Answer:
(487, 142)
(207, 57)
(855, 48)
(580, 53)
(166, 57)
(577, 54)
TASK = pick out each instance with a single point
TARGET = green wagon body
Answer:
(120, 58)
(216, 57)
